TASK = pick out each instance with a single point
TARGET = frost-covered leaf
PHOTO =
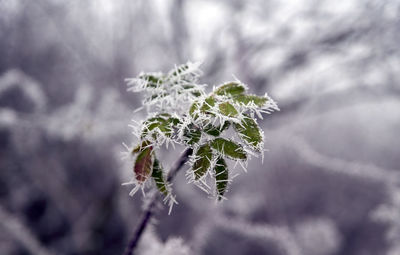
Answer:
(203, 161)
(164, 122)
(142, 167)
(152, 123)
(225, 126)
(191, 134)
(193, 109)
(209, 102)
(228, 148)
(212, 130)
(156, 97)
(221, 177)
(196, 93)
(158, 177)
(173, 121)
(227, 109)
(230, 89)
(152, 80)
(185, 73)
(250, 132)
(193, 90)
(179, 70)
(188, 86)
(216, 130)
(141, 146)
(250, 99)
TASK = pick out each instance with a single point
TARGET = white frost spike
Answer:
(243, 166)
(135, 188)
(170, 200)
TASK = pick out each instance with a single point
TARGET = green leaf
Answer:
(141, 146)
(196, 93)
(208, 103)
(226, 125)
(152, 123)
(158, 177)
(227, 109)
(216, 130)
(153, 80)
(173, 121)
(203, 161)
(164, 115)
(230, 89)
(221, 177)
(156, 96)
(187, 86)
(142, 167)
(179, 70)
(164, 122)
(212, 130)
(228, 148)
(194, 108)
(249, 132)
(246, 99)
(191, 135)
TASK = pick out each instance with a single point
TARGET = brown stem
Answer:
(150, 209)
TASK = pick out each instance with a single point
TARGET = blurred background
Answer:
(329, 183)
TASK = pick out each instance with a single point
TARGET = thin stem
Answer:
(150, 209)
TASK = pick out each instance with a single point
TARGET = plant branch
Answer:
(150, 208)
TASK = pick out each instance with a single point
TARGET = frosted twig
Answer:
(149, 211)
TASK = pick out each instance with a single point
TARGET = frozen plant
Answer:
(181, 112)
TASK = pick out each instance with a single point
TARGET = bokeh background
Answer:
(329, 183)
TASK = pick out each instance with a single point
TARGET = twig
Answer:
(150, 209)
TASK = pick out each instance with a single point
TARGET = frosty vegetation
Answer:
(326, 183)
(216, 126)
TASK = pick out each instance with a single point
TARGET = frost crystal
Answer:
(179, 111)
